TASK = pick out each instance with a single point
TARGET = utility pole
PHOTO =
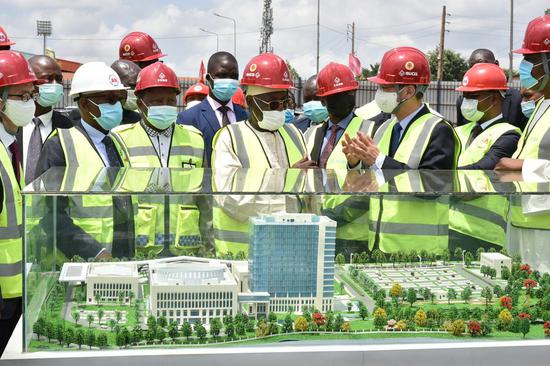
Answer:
(267, 27)
(442, 44)
(318, 33)
(511, 55)
(352, 36)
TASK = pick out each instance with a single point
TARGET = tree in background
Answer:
(411, 296)
(340, 259)
(372, 70)
(466, 294)
(186, 330)
(454, 65)
(451, 295)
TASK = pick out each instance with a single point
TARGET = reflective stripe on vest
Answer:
(533, 220)
(479, 147)
(11, 230)
(535, 140)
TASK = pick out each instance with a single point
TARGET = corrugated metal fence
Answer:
(365, 94)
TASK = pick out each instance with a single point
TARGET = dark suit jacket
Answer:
(504, 147)
(71, 239)
(439, 153)
(302, 123)
(203, 118)
(59, 120)
(511, 109)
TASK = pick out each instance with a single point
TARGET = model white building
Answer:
(496, 261)
(108, 280)
(192, 291)
(291, 257)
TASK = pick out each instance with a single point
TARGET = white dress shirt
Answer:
(6, 139)
(45, 130)
(230, 113)
(97, 138)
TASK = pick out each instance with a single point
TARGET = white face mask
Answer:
(469, 109)
(19, 112)
(192, 103)
(387, 101)
(131, 101)
(272, 121)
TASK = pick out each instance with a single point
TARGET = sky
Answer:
(91, 30)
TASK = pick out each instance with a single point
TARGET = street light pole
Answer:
(44, 28)
(234, 32)
(217, 38)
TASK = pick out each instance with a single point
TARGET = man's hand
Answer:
(360, 182)
(364, 148)
(348, 151)
(305, 163)
(507, 164)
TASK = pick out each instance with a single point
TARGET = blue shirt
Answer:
(97, 138)
(343, 125)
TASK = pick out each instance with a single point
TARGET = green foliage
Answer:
(466, 294)
(200, 330)
(340, 260)
(411, 296)
(454, 65)
(215, 327)
(287, 324)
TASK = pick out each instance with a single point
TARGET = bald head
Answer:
(46, 68)
(128, 72)
(310, 89)
(482, 55)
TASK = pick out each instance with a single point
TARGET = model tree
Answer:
(451, 295)
(38, 327)
(240, 328)
(90, 338)
(420, 318)
(466, 294)
(230, 330)
(173, 330)
(458, 254)
(60, 332)
(363, 312)
(118, 316)
(396, 292)
(380, 317)
(102, 341)
(468, 259)
(524, 326)
(76, 316)
(79, 338)
(69, 336)
(112, 324)
(131, 296)
(100, 314)
(215, 327)
(186, 330)
(340, 259)
(301, 324)
(200, 330)
(97, 298)
(487, 293)
(411, 296)
(90, 318)
(287, 324)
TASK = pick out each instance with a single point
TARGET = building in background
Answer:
(291, 257)
(107, 281)
(496, 261)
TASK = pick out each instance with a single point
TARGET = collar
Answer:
(405, 121)
(46, 118)
(215, 104)
(96, 135)
(343, 123)
(488, 123)
(5, 137)
(154, 133)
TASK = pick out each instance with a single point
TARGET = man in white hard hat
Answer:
(98, 225)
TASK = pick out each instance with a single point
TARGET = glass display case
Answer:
(183, 259)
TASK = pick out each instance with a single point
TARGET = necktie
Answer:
(16, 160)
(477, 130)
(33, 152)
(329, 146)
(225, 118)
(112, 154)
(395, 138)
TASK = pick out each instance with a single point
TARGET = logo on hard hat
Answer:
(253, 67)
(337, 81)
(2, 37)
(409, 65)
(285, 75)
(162, 78)
(401, 73)
(197, 88)
(127, 47)
(113, 80)
(547, 42)
(257, 75)
(155, 47)
(465, 81)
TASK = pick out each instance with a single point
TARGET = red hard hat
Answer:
(4, 39)
(198, 88)
(14, 69)
(139, 46)
(403, 65)
(157, 75)
(335, 78)
(238, 98)
(537, 36)
(267, 70)
(483, 77)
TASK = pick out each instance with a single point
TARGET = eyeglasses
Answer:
(277, 104)
(25, 97)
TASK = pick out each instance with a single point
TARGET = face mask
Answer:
(272, 121)
(131, 101)
(289, 116)
(49, 94)
(224, 89)
(192, 104)
(386, 101)
(162, 116)
(527, 108)
(111, 115)
(19, 112)
(469, 109)
(525, 76)
(340, 105)
(315, 111)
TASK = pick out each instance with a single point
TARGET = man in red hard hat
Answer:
(263, 141)
(16, 110)
(5, 42)
(140, 48)
(194, 95)
(415, 139)
(481, 222)
(158, 142)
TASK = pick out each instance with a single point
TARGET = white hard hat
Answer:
(95, 77)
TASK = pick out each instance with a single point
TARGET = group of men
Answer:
(127, 116)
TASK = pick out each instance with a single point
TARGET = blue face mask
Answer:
(315, 111)
(527, 108)
(525, 69)
(162, 116)
(111, 115)
(289, 116)
(224, 88)
(49, 94)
